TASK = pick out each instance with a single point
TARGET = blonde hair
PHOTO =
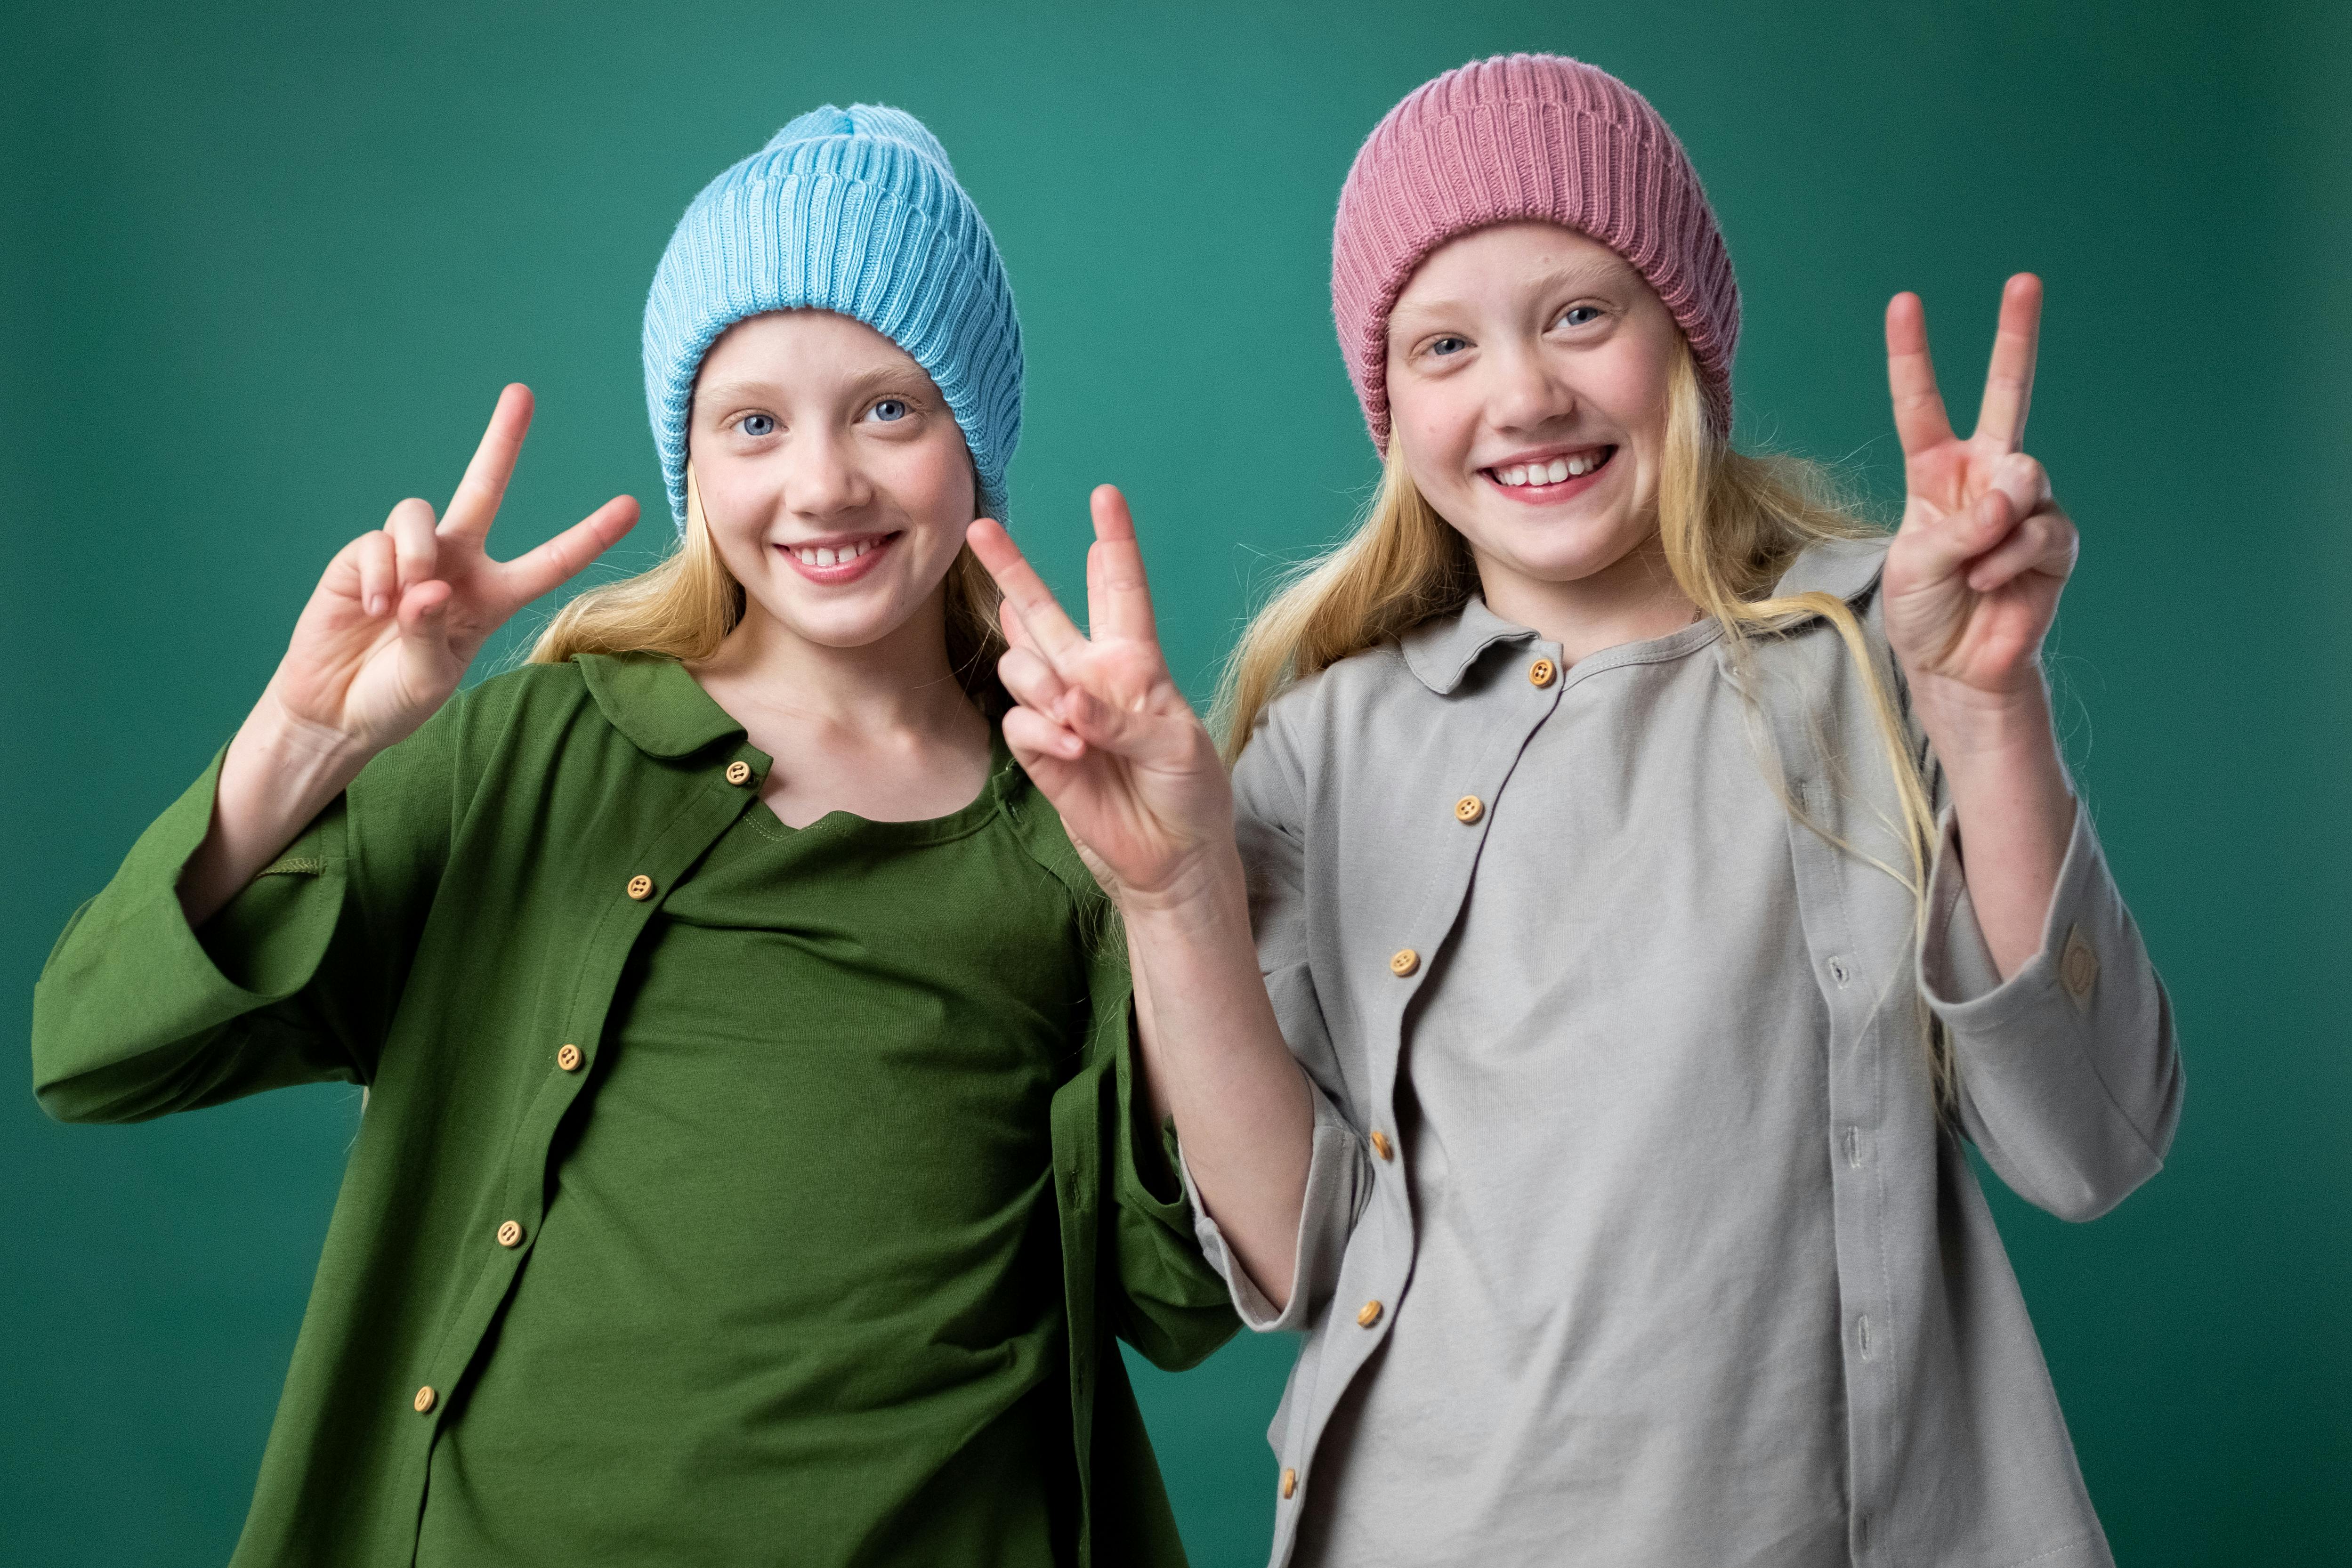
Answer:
(683, 606)
(1730, 523)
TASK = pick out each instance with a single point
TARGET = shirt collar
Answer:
(1442, 649)
(655, 702)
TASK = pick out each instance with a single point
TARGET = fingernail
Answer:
(375, 605)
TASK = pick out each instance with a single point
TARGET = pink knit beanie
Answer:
(1517, 137)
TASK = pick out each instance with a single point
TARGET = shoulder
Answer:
(1325, 718)
(526, 691)
(1848, 568)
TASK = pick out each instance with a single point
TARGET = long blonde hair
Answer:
(1730, 522)
(683, 606)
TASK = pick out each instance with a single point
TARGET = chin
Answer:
(844, 623)
(1561, 553)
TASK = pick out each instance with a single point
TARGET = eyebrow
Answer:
(1595, 272)
(887, 377)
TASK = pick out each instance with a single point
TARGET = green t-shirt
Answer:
(796, 1297)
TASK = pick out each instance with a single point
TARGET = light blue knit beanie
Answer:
(856, 211)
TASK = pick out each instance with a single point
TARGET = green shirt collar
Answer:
(655, 702)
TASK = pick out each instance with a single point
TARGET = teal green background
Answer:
(263, 270)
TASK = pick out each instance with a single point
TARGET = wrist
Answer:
(1206, 891)
(1964, 721)
(300, 756)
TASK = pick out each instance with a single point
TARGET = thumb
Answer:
(422, 619)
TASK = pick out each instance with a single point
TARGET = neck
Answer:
(1632, 600)
(900, 682)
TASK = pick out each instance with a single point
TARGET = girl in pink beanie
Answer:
(1638, 881)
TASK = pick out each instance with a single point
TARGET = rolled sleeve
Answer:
(1173, 1303)
(2069, 1073)
(137, 1014)
(1336, 1178)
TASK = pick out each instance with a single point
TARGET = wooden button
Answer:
(1382, 1146)
(2078, 967)
(1543, 673)
(1370, 1315)
(738, 772)
(1289, 1481)
(568, 1058)
(1403, 962)
(641, 887)
(1469, 808)
(425, 1398)
(510, 1235)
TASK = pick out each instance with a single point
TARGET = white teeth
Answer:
(1560, 468)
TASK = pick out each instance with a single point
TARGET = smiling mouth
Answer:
(1553, 471)
(840, 554)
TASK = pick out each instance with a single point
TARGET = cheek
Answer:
(1436, 435)
(931, 480)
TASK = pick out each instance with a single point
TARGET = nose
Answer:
(1526, 394)
(822, 478)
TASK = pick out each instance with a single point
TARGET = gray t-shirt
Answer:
(1621, 1336)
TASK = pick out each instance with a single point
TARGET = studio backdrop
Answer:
(263, 270)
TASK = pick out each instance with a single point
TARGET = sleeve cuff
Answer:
(1957, 972)
(131, 980)
(1335, 1181)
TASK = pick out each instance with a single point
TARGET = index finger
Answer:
(476, 500)
(2008, 385)
(1041, 615)
(1118, 595)
(1920, 421)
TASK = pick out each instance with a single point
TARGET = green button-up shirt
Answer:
(441, 934)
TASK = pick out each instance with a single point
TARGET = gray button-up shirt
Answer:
(1362, 870)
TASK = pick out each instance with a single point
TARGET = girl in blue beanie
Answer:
(750, 1170)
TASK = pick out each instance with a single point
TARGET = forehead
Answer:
(1504, 263)
(804, 348)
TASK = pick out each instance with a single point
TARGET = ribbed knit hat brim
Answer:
(1519, 137)
(855, 211)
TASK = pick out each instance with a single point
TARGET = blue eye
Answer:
(1579, 315)
(890, 410)
(1448, 345)
(758, 425)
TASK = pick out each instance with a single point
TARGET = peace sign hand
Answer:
(1102, 728)
(1974, 574)
(401, 612)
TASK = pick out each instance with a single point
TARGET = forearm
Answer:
(1214, 1057)
(279, 774)
(2015, 807)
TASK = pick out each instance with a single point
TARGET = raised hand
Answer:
(1973, 578)
(401, 612)
(1101, 726)
(385, 639)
